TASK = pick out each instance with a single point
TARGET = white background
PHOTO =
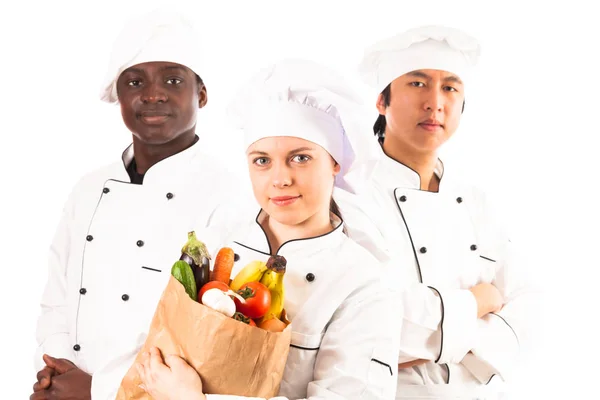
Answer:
(529, 136)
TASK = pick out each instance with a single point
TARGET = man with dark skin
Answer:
(159, 103)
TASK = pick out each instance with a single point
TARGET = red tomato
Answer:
(212, 285)
(258, 300)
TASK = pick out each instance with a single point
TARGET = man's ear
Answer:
(380, 104)
(202, 96)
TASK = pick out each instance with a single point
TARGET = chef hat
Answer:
(428, 47)
(302, 99)
(157, 36)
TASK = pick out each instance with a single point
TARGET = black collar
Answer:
(135, 177)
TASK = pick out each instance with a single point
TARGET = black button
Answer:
(403, 198)
(459, 200)
(169, 195)
(77, 347)
(140, 243)
(125, 297)
(82, 291)
(236, 257)
(473, 247)
(310, 277)
(105, 190)
(423, 250)
(89, 238)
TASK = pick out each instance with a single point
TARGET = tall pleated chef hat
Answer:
(303, 99)
(427, 47)
(160, 35)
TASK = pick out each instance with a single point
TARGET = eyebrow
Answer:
(453, 78)
(168, 67)
(165, 68)
(264, 153)
(301, 149)
(134, 70)
(419, 74)
(260, 153)
(450, 78)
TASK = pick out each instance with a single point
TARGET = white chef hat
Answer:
(427, 47)
(303, 99)
(160, 35)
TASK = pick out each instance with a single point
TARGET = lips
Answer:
(284, 200)
(431, 125)
(154, 117)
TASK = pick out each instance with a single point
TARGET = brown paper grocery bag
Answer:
(231, 357)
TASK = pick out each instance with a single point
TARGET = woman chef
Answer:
(344, 344)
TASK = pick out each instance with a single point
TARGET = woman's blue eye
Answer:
(261, 161)
(301, 158)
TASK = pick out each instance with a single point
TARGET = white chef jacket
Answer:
(440, 245)
(111, 255)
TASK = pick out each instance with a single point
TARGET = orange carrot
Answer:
(223, 265)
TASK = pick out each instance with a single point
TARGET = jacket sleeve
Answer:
(504, 335)
(357, 357)
(438, 325)
(52, 333)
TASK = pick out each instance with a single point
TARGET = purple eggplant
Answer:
(196, 255)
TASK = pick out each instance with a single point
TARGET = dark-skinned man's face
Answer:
(159, 101)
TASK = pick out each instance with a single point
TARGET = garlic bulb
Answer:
(219, 301)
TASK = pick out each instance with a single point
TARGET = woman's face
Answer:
(292, 178)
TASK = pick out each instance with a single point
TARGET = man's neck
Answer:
(277, 233)
(423, 164)
(146, 155)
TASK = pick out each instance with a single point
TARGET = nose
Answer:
(153, 93)
(434, 101)
(281, 177)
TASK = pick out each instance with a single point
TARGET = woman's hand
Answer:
(172, 380)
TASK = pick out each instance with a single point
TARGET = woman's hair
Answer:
(333, 207)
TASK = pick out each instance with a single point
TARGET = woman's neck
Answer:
(278, 233)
